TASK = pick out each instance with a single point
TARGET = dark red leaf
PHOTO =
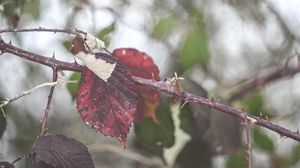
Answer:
(106, 99)
(60, 151)
(6, 165)
(109, 107)
(141, 65)
(42, 164)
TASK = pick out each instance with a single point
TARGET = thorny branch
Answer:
(240, 114)
(40, 29)
(43, 128)
(161, 86)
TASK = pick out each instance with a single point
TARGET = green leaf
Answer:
(104, 33)
(254, 103)
(194, 119)
(10, 11)
(195, 46)
(73, 87)
(224, 132)
(67, 44)
(32, 7)
(237, 160)
(186, 116)
(262, 141)
(164, 26)
(195, 154)
(154, 136)
(295, 154)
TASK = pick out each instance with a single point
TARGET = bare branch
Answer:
(43, 129)
(41, 29)
(240, 114)
(50, 62)
(166, 88)
(248, 126)
(260, 82)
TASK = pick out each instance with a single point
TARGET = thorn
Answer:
(281, 136)
(212, 100)
(75, 62)
(62, 73)
(9, 42)
(19, 158)
(152, 75)
(3, 112)
(106, 50)
(53, 55)
(297, 131)
(185, 102)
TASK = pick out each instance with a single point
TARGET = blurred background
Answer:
(216, 45)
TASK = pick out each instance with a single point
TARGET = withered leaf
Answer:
(109, 107)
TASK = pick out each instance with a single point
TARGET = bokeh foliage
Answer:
(212, 134)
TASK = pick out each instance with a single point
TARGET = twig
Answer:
(43, 129)
(41, 29)
(240, 114)
(161, 86)
(149, 161)
(27, 92)
(248, 126)
(50, 62)
(251, 85)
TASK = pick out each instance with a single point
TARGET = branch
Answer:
(50, 62)
(251, 85)
(248, 127)
(40, 29)
(43, 129)
(240, 114)
(163, 86)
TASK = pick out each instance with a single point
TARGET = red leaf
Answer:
(109, 107)
(106, 99)
(141, 65)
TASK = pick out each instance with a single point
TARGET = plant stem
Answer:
(159, 85)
